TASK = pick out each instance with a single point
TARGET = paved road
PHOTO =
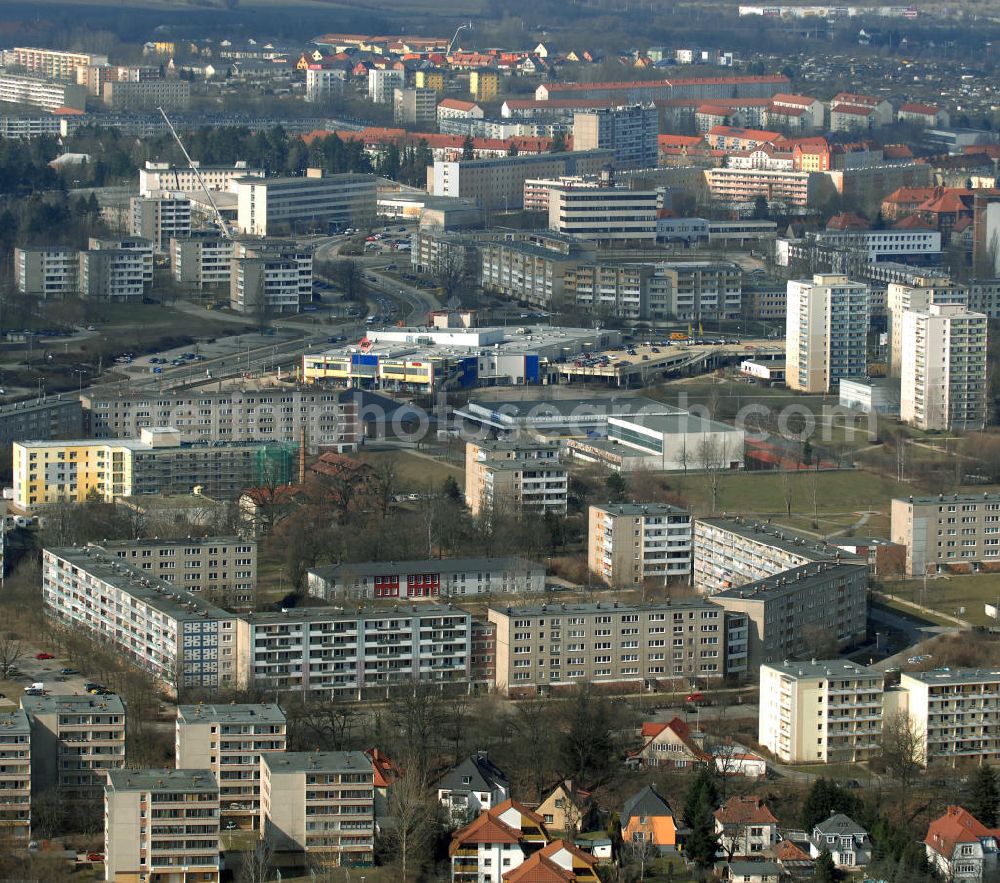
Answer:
(917, 633)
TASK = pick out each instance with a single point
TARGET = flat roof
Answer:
(180, 541)
(605, 607)
(338, 178)
(641, 509)
(396, 611)
(163, 779)
(427, 565)
(984, 497)
(807, 547)
(13, 722)
(941, 676)
(38, 405)
(325, 761)
(822, 668)
(595, 406)
(673, 424)
(140, 584)
(75, 704)
(789, 582)
(263, 713)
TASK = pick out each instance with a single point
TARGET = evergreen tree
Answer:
(586, 743)
(699, 807)
(984, 797)
(468, 148)
(826, 798)
(825, 870)
(558, 144)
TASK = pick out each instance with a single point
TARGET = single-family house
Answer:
(668, 744)
(566, 808)
(495, 843)
(753, 872)
(844, 839)
(475, 785)
(960, 847)
(745, 826)
(647, 817)
(559, 862)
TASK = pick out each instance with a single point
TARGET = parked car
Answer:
(44, 656)
(68, 671)
(95, 856)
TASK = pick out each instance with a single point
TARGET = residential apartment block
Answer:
(15, 775)
(961, 530)
(434, 578)
(349, 654)
(734, 186)
(826, 333)
(180, 639)
(382, 83)
(515, 476)
(815, 605)
(943, 371)
(156, 176)
(157, 462)
(50, 417)
(320, 804)
(75, 740)
(630, 131)
(316, 201)
(230, 740)
(272, 277)
(729, 552)
(902, 297)
(221, 569)
(556, 646)
(39, 92)
(160, 217)
(48, 271)
(328, 419)
(55, 63)
(162, 824)
(630, 543)
(827, 711)
(323, 84)
(117, 270)
(202, 260)
(414, 107)
(953, 712)
(147, 95)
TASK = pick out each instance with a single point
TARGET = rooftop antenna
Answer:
(223, 227)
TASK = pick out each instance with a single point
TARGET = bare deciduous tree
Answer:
(11, 652)
(902, 747)
(257, 864)
(413, 817)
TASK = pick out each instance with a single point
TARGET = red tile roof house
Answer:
(745, 827)
(960, 847)
(668, 744)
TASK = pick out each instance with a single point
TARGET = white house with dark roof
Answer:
(476, 785)
(846, 841)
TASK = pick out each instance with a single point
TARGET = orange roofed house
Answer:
(647, 817)
(668, 744)
(497, 842)
(559, 862)
(745, 827)
(960, 847)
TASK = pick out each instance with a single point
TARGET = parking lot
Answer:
(46, 671)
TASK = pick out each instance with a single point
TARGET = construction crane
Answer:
(459, 30)
(223, 226)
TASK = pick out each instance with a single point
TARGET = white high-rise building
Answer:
(826, 332)
(943, 368)
(382, 85)
(323, 84)
(901, 297)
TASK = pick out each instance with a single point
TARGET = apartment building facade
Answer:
(116, 270)
(160, 217)
(693, 291)
(230, 740)
(947, 530)
(76, 741)
(902, 297)
(382, 83)
(344, 654)
(631, 132)
(50, 272)
(554, 646)
(732, 551)
(319, 805)
(147, 95)
(156, 176)
(826, 332)
(815, 605)
(414, 107)
(826, 711)
(202, 260)
(36, 91)
(15, 776)
(221, 569)
(55, 63)
(273, 206)
(734, 186)
(75, 471)
(434, 578)
(180, 639)
(271, 278)
(630, 543)
(603, 213)
(953, 712)
(516, 476)
(329, 419)
(162, 824)
(943, 370)
(47, 418)
(323, 84)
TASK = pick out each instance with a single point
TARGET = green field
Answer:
(950, 593)
(415, 473)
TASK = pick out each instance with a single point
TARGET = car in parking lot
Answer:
(68, 671)
(44, 656)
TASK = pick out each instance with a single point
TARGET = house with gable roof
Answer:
(559, 862)
(668, 744)
(746, 827)
(495, 843)
(960, 847)
(647, 817)
(476, 784)
(844, 839)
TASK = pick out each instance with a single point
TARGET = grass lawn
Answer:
(917, 615)
(949, 593)
(762, 493)
(837, 771)
(416, 472)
